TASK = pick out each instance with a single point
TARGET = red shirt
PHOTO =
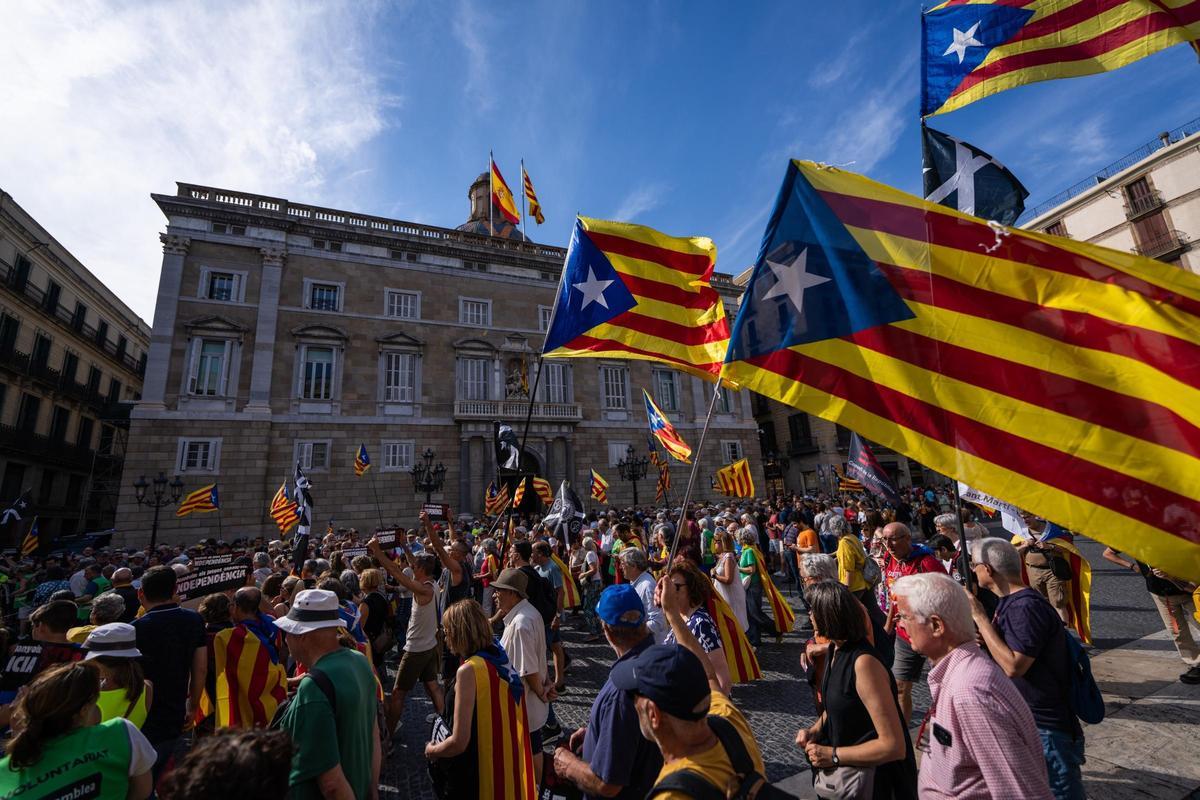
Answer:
(919, 560)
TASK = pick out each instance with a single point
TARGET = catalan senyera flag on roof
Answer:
(535, 207)
(201, 500)
(502, 196)
(971, 49)
(628, 291)
(1056, 375)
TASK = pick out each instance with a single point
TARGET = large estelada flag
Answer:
(662, 430)
(502, 196)
(628, 291)
(862, 465)
(495, 500)
(971, 49)
(735, 479)
(1057, 375)
(202, 500)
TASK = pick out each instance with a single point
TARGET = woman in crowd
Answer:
(283, 603)
(373, 611)
(684, 576)
(60, 744)
(851, 558)
(124, 690)
(488, 572)
(728, 581)
(591, 582)
(861, 727)
(485, 691)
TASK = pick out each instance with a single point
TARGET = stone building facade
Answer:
(287, 332)
(72, 356)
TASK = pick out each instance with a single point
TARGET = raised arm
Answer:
(672, 607)
(422, 590)
(435, 540)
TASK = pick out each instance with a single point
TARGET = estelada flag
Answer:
(599, 488)
(628, 291)
(201, 500)
(495, 500)
(971, 49)
(662, 430)
(735, 479)
(362, 461)
(1053, 374)
(251, 682)
(32, 540)
(739, 655)
(502, 196)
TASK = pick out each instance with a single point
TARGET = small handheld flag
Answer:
(542, 487)
(495, 500)
(202, 500)
(961, 176)
(599, 488)
(663, 485)
(283, 510)
(362, 462)
(735, 479)
(32, 540)
(502, 196)
(664, 431)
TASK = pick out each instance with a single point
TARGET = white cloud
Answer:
(838, 67)
(110, 102)
(639, 201)
(467, 30)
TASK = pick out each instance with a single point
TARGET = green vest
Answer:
(88, 762)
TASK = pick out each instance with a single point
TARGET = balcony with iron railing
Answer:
(53, 380)
(1142, 204)
(516, 410)
(44, 449)
(1165, 246)
(36, 297)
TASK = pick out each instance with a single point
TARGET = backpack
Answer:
(541, 594)
(871, 572)
(1086, 700)
(752, 786)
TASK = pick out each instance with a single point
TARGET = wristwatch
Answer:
(837, 762)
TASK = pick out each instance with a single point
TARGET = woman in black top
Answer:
(861, 725)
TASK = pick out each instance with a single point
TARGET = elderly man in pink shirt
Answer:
(979, 739)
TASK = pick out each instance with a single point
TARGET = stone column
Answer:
(549, 445)
(158, 358)
(570, 452)
(489, 462)
(264, 330)
(464, 475)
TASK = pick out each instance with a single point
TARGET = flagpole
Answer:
(524, 214)
(491, 192)
(378, 509)
(964, 555)
(687, 494)
(537, 379)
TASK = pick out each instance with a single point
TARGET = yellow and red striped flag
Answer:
(362, 461)
(739, 655)
(781, 610)
(502, 196)
(664, 482)
(599, 488)
(735, 479)
(975, 48)
(495, 500)
(284, 510)
(251, 682)
(1056, 375)
(846, 484)
(32, 540)
(503, 753)
(542, 487)
(628, 291)
(662, 430)
(571, 596)
(519, 494)
(535, 208)
(202, 500)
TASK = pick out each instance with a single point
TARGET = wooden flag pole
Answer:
(687, 494)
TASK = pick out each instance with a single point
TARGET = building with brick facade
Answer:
(287, 332)
(72, 357)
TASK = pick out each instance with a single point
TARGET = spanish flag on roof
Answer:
(502, 196)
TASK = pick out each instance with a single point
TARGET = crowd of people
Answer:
(295, 683)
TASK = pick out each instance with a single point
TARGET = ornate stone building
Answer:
(72, 357)
(288, 332)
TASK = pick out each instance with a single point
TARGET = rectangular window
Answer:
(83, 437)
(313, 455)
(402, 305)
(50, 299)
(732, 451)
(397, 455)
(1057, 228)
(477, 313)
(196, 455)
(41, 351)
(800, 430)
(209, 372)
(93, 384)
(70, 367)
(19, 277)
(79, 317)
(3, 397)
(46, 488)
(554, 379)
(725, 401)
(8, 333)
(666, 393)
(59, 419)
(614, 381)
(122, 344)
(318, 374)
(27, 417)
(399, 377)
(544, 314)
(617, 452)
(114, 390)
(101, 333)
(476, 375)
(323, 296)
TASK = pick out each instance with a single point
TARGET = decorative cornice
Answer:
(174, 245)
(273, 256)
(400, 338)
(214, 322)
(475, 344)
(320, 332)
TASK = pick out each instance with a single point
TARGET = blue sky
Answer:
(680, 116)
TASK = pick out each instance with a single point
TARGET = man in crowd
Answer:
(524, 640)
(636, 568)
(1046, 568)
(617, 761)
(979, 738)
(106, 608)
(175, 659)
(47, 647)
(1027, 640)
(549, 571)
(123, 585)
(250, 664)
(904, 558)
(336, 751)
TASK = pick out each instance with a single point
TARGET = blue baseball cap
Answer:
(671, 676)
(620, 607)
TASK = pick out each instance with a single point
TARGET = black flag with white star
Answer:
(13, 515)
(963, 177)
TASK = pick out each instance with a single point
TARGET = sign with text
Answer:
(211, 580)
(437, 511)
(386, 538)
(353, 552)
(202, 562)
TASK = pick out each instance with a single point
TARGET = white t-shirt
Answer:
(592, 561)
(141, 752)
(524, 639)
(655, 621)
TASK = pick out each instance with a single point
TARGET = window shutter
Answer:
(195, 365)
(225, 359)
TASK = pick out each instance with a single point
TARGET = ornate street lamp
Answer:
(632, 468)
(158, 499)
(426, 477)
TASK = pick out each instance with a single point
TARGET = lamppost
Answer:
(632, 469)
(158, 500)
(775, 468)
(426, 477)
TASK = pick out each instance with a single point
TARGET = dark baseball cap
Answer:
(671, 676)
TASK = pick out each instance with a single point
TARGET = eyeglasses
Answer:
(679, 585)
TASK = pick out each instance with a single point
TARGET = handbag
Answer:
(844, 783)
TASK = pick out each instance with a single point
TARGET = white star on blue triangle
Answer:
(590, 293)
(955, 41)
